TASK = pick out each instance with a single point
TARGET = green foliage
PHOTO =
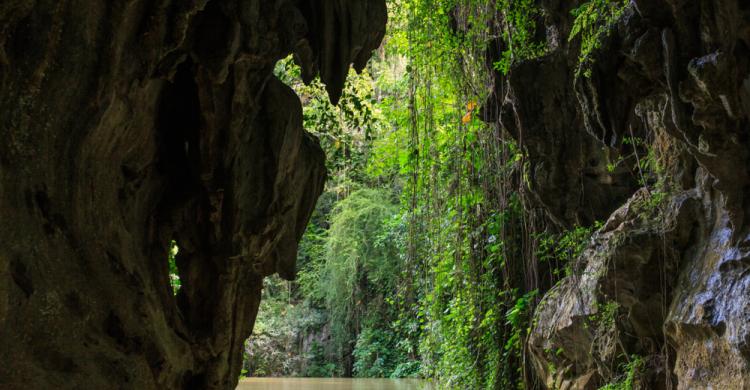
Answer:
(594, 20)
(563, 248)
(349, 257)
(374, 354)
(273, 349)
(174, 275)
(346, 130)
(418, 257)
(318, 366)
(605, 318)
(462, 211)
(517, 318)
(651, 206)
(519, 31)
(629, 379)
(407, 369)
(360, 264)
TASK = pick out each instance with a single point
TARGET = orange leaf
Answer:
(471, 106)
(467, 118)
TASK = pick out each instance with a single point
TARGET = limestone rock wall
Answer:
(127, 124)
(667, 278)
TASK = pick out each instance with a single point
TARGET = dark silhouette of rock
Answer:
(128, 124)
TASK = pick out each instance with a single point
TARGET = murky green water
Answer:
(331, 384)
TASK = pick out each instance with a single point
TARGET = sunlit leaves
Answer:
(594, 20)
(174, 274)
(521, 19)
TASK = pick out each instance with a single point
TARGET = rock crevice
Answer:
(652, 140)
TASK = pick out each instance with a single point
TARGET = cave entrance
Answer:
(336, 319)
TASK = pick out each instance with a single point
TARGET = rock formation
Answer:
(128, 124)
(655, 143)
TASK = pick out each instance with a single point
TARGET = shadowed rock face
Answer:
(673, 279)
(126, 124)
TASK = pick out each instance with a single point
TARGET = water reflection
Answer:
(332, 384)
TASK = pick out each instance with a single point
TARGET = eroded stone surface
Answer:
(126, 125)
(673, 73)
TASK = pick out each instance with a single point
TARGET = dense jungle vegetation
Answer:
(420, 259)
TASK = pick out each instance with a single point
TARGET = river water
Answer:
(331, 384)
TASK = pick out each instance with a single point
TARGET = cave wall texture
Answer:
(673, 267)
(126, 124)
